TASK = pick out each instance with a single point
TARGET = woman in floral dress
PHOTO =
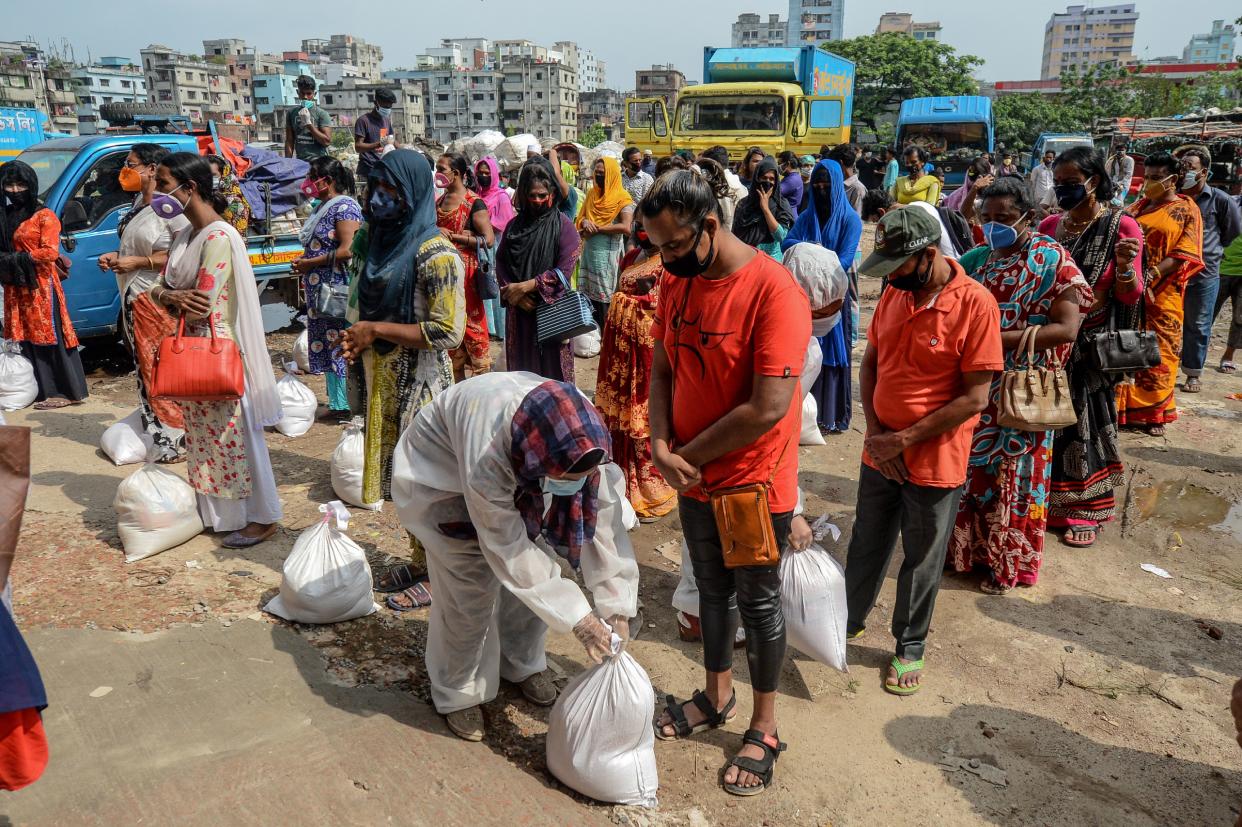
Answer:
(1004, 508)
(463, 219)
(327, 237)
(209, 280)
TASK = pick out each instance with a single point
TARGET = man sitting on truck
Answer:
(308, 128)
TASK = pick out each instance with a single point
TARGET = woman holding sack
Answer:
(407, 311)
(604, 222)
(35, 316)
(1004, 508)
(537, 253)
(463, 219)
(145, 239)
(1107, 245)
(209, 283)
(327, 237)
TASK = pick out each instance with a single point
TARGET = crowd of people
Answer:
(723, 297)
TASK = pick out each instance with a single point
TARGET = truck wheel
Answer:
(123, 114)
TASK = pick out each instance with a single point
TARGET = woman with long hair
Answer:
(326, 237)
(603, 224)
(831, 222)
(536, 257)
(208, 281)
(145, 241)
(1106, 244)
(462, 217)
(624, 378)
(1004, 508)
(407, 312)
(1172, 255)
(35, 315)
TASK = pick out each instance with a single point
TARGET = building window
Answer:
(327, 99)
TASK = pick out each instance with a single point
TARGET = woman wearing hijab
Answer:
(831, 222)
(763, 218)
(500, 212)
(604, 223)
(209, 281)
(34, 303)
(537, 254)
(224, 182)
(408, 310)
(145, 240)
(499, 476)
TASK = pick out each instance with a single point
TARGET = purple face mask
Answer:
(165, 206)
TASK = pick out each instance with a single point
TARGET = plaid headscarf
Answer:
(553, 428)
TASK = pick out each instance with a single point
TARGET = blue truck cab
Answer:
(79, 181)
(953, 130)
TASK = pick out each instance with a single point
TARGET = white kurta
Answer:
(452, 465)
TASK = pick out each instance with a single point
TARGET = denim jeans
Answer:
(1199, 302)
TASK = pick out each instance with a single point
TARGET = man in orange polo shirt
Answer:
(932, 348)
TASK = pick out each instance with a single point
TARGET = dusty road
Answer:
(1100, 695)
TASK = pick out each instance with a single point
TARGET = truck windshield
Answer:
(947, 140)
(48, 165)
(734, 113)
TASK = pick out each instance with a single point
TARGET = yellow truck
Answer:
(797, 98)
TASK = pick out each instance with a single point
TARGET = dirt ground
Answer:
(1100, 696)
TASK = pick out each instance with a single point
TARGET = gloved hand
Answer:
(594, 637)
(621, 625)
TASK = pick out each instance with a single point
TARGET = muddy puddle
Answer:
(1181, 504)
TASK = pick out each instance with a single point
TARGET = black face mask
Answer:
(599, 180)
(1070, 195)
(911, 281)
(689, 266)
(485, 181)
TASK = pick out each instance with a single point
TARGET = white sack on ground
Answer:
(348, 460)
(125, 442)
(155, 510)
(301, 351)
(18, 387)
(326, 577)
(297, 402)
(813, 600)
(600, 738)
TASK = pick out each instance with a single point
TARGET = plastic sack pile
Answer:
(297, 402)
(326, 577)
(813, 600)
(600, 738)
(125, 442)
(155, 510)
(348, 460)
(18, 387)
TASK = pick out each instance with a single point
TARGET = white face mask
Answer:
(822, 327)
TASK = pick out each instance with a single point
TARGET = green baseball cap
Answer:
(900, 234)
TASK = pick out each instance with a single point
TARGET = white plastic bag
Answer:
(297, 403)
(810, 428)
(155, 510)
(813, 600)
(348, 460)
(586, 345)
(125, 442)
(326, 577)
(18, 387)
(600, 739)
(301, 351)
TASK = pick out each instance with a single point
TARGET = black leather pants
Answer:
(754, 591)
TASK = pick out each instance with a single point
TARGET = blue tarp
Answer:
(284, 175)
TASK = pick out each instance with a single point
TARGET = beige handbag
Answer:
(1034, 398)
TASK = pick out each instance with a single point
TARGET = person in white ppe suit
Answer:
(496, 477)
(818, 271)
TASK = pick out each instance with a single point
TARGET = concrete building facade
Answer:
(605, 107)
(815, 21)
(1216, 46)
(352, 98)
(540, 98)
(462, 102)
(200, 90)
(751, 29)
(663, 81)
(110, 80)
(1086, 36)
(345, 48)
(904, 23)
(30, 80)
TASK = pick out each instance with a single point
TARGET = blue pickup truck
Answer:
(78, 180)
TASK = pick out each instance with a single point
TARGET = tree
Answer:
(342, 139)
(1021, 118)
(891, 67)
(593, 135)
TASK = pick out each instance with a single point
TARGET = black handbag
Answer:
(485, 274)
(1122, 351)
(565, 318)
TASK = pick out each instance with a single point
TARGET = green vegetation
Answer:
(594, 135)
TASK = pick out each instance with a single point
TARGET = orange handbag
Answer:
(198, 368)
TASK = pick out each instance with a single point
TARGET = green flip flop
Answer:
(902, 669)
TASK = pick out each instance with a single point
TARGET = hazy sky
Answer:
(628, 35)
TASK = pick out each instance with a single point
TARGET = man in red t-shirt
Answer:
(730, 337)
(932, 347)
